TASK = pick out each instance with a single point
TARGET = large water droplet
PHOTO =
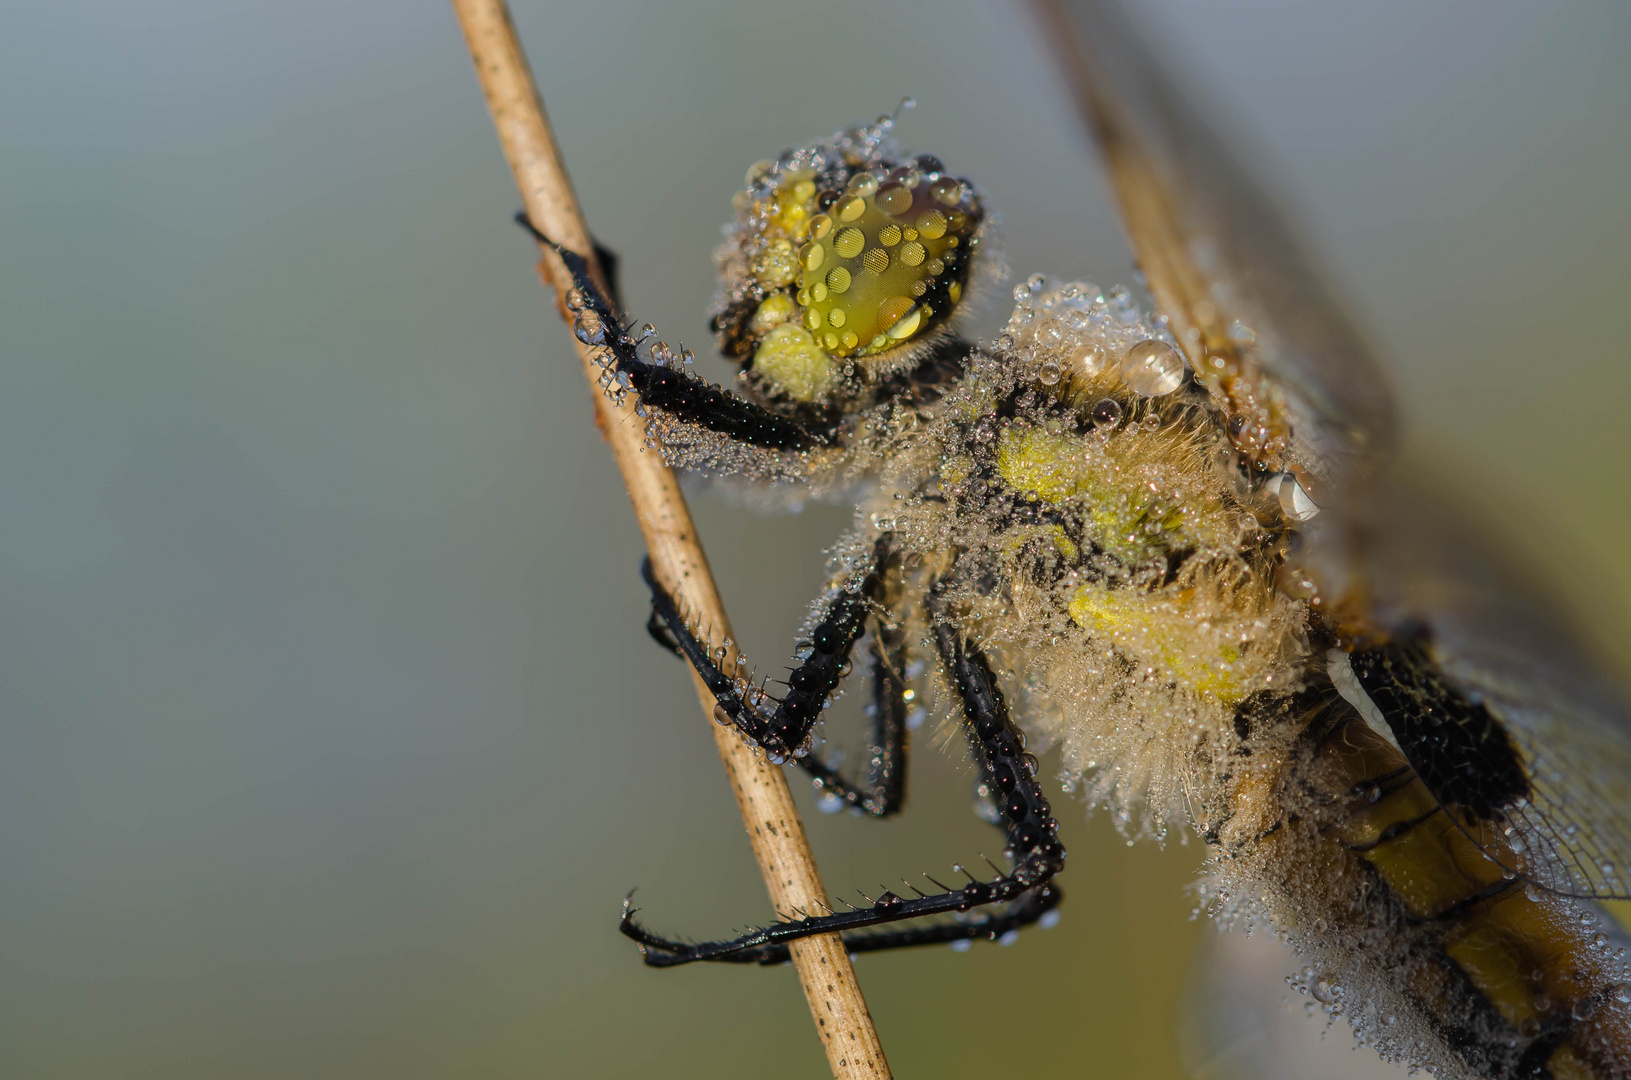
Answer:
(1152, 368)
(588, 328)
(1294, 500)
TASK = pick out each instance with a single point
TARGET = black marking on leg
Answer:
(676, 393)
(1033, 846)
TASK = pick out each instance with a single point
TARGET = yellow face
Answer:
(840, 264)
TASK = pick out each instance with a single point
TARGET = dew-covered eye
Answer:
(887, 262)
(847, 259)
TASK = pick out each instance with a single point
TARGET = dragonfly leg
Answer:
(1025, 892)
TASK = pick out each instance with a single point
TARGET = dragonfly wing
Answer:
(1418, 571)
(1303, 390)
(1296, 377)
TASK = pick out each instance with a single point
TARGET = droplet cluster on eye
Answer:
(870, 252)
(874, 253)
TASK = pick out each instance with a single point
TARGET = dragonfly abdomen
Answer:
(1409, 913)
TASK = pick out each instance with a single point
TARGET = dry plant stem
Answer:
(773, 825)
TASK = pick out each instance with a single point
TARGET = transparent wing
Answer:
(1415, 565)
(1297, 378)
(1303, 390)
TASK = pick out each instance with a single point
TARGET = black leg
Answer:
(885, 789)
(1033, 846)
(609, 268)
(886, 752)
(658, 380)
(781, 728)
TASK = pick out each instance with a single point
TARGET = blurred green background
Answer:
(330, 737)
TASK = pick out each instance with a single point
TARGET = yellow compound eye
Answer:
(891, 264)
(835, 256)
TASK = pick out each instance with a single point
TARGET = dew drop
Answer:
(1122, 305)
(894, 198)
(1048, 374)
(946, 192)
(588, 328)
(1152, 368)
(1294, 500)
(1090, 359)
(862, 184)
(985, 806)
(1107, 412)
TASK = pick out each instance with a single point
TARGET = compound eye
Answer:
(886, 262)
(841, 261)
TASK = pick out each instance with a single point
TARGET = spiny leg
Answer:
(839, 628)
(1026, 891)
(657, 382)
(781, 728)
(885, 789)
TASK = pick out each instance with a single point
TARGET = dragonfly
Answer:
(1396, 762)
